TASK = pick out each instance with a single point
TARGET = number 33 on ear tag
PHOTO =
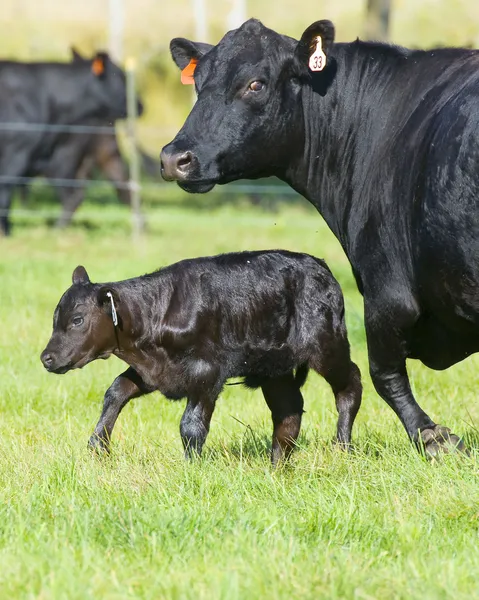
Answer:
(317, 60)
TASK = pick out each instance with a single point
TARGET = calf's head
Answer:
(83, 325)
(248, 118)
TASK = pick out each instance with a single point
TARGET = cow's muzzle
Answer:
(177, 166)
(183, 166)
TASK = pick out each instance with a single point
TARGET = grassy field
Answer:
(379, 523)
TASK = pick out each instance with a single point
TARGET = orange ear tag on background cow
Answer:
(98, 67)
(317, 60)
(188, 72)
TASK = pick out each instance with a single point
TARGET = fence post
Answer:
(134, 183)
(116, 27)
(378, 14)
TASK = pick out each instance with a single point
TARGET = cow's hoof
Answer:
(439, 440)
(98, 445)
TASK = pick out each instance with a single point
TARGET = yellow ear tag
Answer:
(317, 60)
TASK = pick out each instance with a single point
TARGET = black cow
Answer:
(76, 157)
(384, 141)
(36, 96)
(267, 316)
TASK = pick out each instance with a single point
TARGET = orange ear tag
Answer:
(188, 72)
(98, 67)
(317, 60)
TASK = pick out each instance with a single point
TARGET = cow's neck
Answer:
(70, 102)
(341, 130)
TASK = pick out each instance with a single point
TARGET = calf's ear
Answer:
(315, 45)
(183, 51)
(108, 300)
(80, 275)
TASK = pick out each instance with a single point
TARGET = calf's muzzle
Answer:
(47, 359)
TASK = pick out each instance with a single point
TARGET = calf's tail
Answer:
(301, 374)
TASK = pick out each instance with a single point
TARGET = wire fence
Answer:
(132, 185)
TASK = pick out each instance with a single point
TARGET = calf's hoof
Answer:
(98, 445)
(439, 440)
(339, 444)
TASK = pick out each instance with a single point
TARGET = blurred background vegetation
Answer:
(46, 29)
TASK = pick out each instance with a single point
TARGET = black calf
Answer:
(266, 316)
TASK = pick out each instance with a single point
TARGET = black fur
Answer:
(52, 94)
(265, 316)
(385, 143)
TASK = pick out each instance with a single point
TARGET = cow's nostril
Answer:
(176, 166)
(183, 161)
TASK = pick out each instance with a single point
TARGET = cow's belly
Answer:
(439, 346)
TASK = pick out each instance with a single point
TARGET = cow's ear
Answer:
(183, 50)
(315, 45)
(80, 275)
(76, 56)
(99, 63)
(108, 300)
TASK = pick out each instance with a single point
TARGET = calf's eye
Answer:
(76, 321)
(256, 86)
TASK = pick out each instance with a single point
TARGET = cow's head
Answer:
(248, 117)
(106, 86)
(83, 325)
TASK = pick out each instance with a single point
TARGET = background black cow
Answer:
(78, 156)
(34, 96)
(384, 141)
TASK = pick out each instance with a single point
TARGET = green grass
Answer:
(379, 523)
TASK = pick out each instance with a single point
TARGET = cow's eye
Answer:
(77, 321)
(256, 86)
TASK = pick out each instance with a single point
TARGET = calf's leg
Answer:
(126, 386)
(332, 360)
(195, 422)
(285, 401)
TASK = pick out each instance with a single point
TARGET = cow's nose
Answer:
(176, 166)
(47, 359)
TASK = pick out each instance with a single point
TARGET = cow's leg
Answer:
(195, 422)
(387, 335)
(116, 170)
(5, 203)
(70, 200)
(126, 386)
(285, 401)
